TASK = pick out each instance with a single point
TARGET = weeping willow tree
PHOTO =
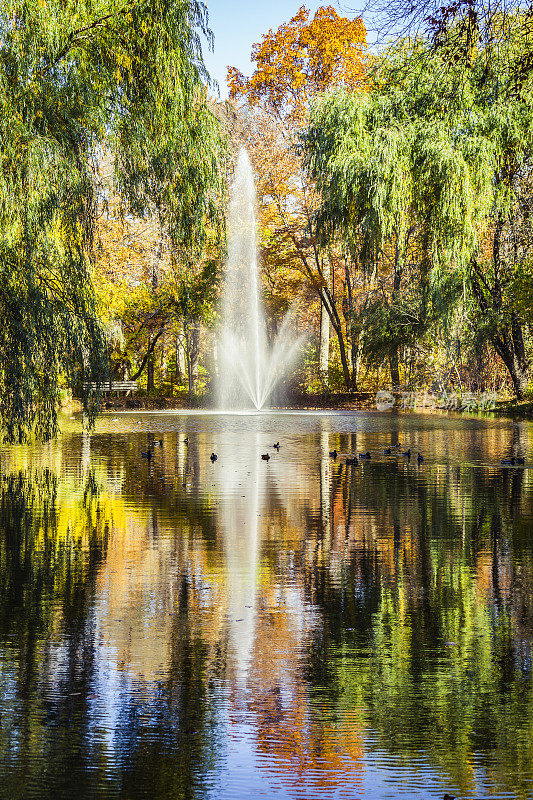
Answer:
(438, 177)
(76, 77)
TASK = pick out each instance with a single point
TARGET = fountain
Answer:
(248, 368)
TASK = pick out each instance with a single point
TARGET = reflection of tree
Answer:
(313, 752)
(440, 648)
(40, 556)
(393, 614)
(53, 547)
(46, 579)
(164, 740)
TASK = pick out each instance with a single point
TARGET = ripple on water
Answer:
(291, 628)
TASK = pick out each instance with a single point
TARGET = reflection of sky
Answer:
(110, 689)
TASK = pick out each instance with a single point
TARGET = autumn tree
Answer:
(300, 59)
(154, 297)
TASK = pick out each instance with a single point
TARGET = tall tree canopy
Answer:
(452, 168)
(77, 76)
(301, 58)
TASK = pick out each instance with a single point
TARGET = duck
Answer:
(333, 454)
(146, 454)
(387, 451)
(213, 456)
(365, 456)
(420, 458)
(265, 456)
(407, 453)
(350, 461)
(276, 446)
(520, 460)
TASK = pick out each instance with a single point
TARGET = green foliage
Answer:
(75, 77)
(192, 296)
(382, 161)
(447, 168)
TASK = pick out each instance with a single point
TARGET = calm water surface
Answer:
(298, 628)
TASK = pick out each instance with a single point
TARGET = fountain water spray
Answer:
(248, 369)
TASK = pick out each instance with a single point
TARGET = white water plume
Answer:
(248, 369)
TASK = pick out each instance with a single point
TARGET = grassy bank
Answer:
(514, 408)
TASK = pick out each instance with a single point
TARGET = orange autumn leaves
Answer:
(302, 58)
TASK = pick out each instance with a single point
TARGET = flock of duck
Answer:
(515, 461)
(388, 451)
(264, 456)
(395, 449)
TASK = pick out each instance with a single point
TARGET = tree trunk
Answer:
(181, 359)
(190, 377)
(148, 355)
(507, 339)
(156, 261)
(323, 353)
(394, 359)
(344, 359)
(394, 369)
(163, 360)
(328, 303)
(517, 366)
(355, 359)
(150, 374)
(195, 353)
(352, 333)
(186, 333)
(192, 340)
(327, 299)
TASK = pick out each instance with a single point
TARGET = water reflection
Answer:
(294, 628)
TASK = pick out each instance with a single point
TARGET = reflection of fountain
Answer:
(248, 368)
(254, 506)
(239, 524)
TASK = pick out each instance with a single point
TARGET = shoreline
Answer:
(343, 401)
(358, 401)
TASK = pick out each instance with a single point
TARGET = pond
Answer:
(176, 627)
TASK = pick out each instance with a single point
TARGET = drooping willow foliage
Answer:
(440, 156)
(169, 147)
(77, 76)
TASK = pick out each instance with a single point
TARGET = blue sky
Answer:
(237, 25)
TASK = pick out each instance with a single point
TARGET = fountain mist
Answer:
(248, 369)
